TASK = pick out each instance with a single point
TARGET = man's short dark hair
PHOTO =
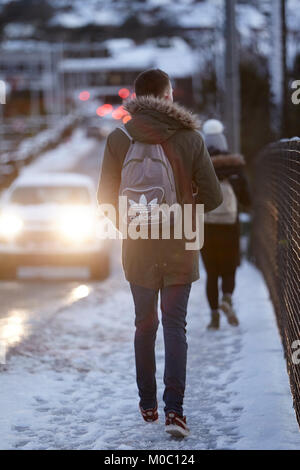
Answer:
(151, 82)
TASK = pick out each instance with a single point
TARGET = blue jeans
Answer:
(174, 300)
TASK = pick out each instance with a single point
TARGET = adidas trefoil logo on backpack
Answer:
(143, 210)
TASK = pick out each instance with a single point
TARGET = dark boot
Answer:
(215, 320)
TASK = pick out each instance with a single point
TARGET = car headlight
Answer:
(10, 225)
(76, 226)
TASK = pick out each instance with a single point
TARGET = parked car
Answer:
(52, 219)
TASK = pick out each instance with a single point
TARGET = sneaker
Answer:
(226, 306)
(215, 321)
(150, 415)
(176, 425)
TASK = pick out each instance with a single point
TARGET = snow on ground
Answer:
(72, 385)
(66, 155)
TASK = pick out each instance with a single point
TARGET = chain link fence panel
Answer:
(276, 244)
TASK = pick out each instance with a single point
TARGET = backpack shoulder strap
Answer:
(123, 129)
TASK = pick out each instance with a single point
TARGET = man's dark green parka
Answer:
(158, 263)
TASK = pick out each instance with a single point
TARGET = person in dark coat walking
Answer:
(221, 250)
(164, 266)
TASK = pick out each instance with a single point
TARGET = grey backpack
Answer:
(227, 212)
(147, 180)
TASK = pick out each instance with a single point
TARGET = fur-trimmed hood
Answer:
(154, 120)
(227, 165)
(173, 110)
(230, 160)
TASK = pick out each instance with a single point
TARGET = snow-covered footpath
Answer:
(72, 385)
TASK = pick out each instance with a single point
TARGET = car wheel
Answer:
(100, 268)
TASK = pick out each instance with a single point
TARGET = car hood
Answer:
(43, 213)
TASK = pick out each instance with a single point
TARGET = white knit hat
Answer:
(213, 132)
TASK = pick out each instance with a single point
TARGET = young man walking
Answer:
(164, 266)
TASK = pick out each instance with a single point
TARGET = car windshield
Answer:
(32, 195)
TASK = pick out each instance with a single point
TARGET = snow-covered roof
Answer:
(131, 57)
(118, 44)
(103, 63)
(84, 13)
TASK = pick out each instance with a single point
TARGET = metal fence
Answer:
(276, 244)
